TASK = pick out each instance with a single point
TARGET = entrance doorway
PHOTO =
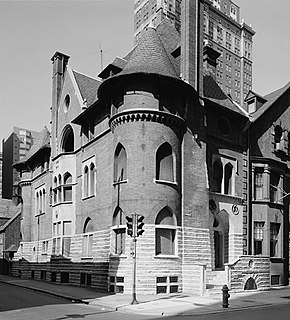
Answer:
(218, 250)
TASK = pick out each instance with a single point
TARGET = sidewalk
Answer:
(157, 305)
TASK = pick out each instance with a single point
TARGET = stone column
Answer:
(266, 182)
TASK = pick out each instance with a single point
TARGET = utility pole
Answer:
(134, 229)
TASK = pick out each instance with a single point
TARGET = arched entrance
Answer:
(221, 239)
(250, 284)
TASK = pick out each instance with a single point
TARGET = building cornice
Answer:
(165, 118)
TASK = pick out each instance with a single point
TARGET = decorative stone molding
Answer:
(165, 118)
(24, 183)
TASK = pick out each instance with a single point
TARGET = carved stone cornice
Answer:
(165, 118)
(25, 183)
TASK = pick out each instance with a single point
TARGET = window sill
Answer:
(118, 256)
(120, 182)
(277, 259)
(166, 256)
(87, 258)
(61, 203)
(168, 183)
(229, 196)
(88, 197)
(60, 257)
(267, 201)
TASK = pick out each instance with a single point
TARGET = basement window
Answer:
(86, 279)
(116, 284)
(64, 277)
(166, 284)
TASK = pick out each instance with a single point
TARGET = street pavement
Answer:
(158, 305)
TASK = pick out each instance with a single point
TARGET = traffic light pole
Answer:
(134, 299)
(134, 229)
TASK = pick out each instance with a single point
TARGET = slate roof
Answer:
(7, 208)
(16, 213)
(271, 98)
(88, 87)
(214, 93)
(150, 57)
(41, 142)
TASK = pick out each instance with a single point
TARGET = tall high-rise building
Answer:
(223, 30)
(14, 148)
(146, 11)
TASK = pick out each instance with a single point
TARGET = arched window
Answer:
(87, 243)
(86, 182)
(40, 203)
(54, 190)
(67, 187)
(119, 231)
(59, 196)
(120, 164)
(37, 204)
(228, 181)
(50, 196)
(164, 163)
(43, 201)
(68, 140)
(217, 176)
(92, 179)
(165, 232)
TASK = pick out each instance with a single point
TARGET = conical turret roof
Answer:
(150, 57)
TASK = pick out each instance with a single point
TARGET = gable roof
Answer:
(41, 142)
(251, 94)
(88, 87)
(214, 93)
(270, 98)
(16, 214)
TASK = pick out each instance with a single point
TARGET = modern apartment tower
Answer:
(223, 30)
(14, 148)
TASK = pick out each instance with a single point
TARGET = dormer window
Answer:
(251, 106)
(278, 131)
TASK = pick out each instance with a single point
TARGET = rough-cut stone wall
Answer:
(256, 267)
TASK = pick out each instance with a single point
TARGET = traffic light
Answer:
(129, 226)
(140, 225)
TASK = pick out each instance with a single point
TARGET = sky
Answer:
(32, 31)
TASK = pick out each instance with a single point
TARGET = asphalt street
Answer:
(277, 312)
(18, 303)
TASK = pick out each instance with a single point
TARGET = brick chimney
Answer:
(59, 63)
(191, 43)
(210, 56)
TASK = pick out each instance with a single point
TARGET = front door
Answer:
(218, 250)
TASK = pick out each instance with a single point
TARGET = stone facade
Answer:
(143, 140)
